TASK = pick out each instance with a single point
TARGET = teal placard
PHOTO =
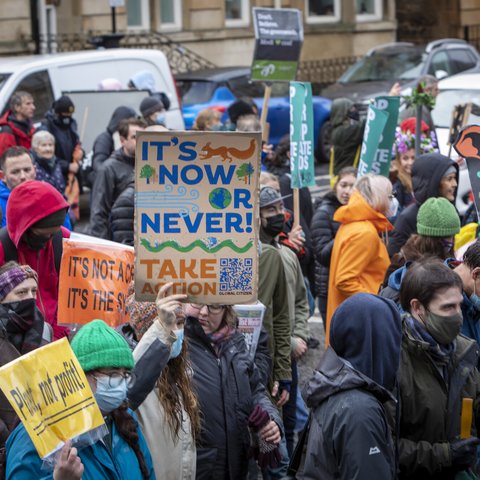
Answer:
(383, 157)
(376, 121)
(302, 160)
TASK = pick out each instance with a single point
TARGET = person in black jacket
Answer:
(113, 178)
(123, 213)
(349, 435)
(228, 386)
(433, 175)
(324, 229)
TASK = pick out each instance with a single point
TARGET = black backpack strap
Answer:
(57, 242)
(9, 249)
(299, 451)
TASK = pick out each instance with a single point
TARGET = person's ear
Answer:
(416, 308)
(2, 175)
(475, 272)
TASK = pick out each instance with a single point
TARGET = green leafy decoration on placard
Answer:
(245, 171)
(197, 243)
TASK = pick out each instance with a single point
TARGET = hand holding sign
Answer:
(168, 306)
(69, 466)
(467, 145)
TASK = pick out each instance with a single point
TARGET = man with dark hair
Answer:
(16, 167)
(438, 371)
(469, 272)
(16, 125)
(113, 177)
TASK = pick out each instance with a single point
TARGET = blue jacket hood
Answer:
(366, 330)
(396, 278)
(144, 80)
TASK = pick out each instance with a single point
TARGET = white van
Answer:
(46, 77)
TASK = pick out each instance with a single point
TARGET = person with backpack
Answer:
(33, 236)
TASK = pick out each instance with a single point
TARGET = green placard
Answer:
(376, 121)
(301, 135)
(383, 157)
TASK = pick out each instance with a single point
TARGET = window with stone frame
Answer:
(322, 11)
(237, 13)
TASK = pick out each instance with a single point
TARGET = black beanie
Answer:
(239, 108)
(151, 105)
(55, 219)
(64, 105)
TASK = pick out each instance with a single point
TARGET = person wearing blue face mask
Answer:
(153, 110)
(107, 361)
(167, 407)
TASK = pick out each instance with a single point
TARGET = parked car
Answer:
(219, 87)
(457, 90)
(402, 62)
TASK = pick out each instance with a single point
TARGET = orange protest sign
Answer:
(94, 282)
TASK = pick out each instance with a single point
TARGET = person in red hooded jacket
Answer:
(36, 212)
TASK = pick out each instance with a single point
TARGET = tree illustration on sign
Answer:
(246, 171)
(147, 171)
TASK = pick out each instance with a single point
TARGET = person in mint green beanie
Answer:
(437, 224)
(107, 361)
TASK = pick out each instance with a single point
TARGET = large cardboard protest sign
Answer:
(51, 396)
(197, 218)
(467, 145)
(279, 39)
(302, 166)
(94, 280)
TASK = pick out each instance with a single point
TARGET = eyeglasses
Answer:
(210, 308)
(115, 379)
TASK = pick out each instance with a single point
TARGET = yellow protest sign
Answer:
(196, 215)
(51, 395)
(94, 281)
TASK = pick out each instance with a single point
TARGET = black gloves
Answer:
(266, 454)
(464, 452)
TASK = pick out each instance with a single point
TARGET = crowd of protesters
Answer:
(399, 305)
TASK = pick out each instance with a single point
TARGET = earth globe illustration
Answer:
(220, 198)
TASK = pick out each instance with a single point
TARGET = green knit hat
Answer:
(437, 217)
(96, 345)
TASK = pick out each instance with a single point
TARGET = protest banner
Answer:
(51, 395)
(197, 218)
(383, 156)
(302, 166)
(467, 146)
(376, 121)
(278, 42)
(250, 320)
(94, 280)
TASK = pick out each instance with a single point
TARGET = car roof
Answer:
(461, 81)
(13, 64)
(214, 74)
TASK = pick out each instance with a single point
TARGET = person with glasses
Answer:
(230, 393)
(359, 256)
(107, 361)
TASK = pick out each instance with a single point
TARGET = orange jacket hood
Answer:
(358, 210)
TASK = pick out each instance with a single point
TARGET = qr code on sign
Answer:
(236, 274)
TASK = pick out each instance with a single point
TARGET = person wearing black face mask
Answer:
(60, 123)
(272, 218)
(438, 371)
(22, 329)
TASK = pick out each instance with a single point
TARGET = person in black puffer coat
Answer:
(324, 229)
(433, 175)
(121, 218)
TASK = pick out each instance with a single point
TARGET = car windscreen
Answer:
(402, 65)
(195, 91)
(446, 102)
(3, 79)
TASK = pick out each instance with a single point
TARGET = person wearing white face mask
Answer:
(107, 361)
(153, 111)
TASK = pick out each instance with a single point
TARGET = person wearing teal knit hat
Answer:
(437, 224)
(107, 361)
